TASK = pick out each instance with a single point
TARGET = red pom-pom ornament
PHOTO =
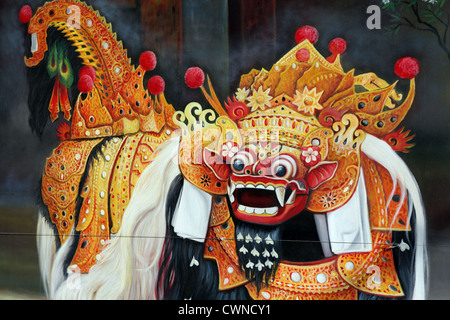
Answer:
(302, 55)
(337, 46)
(85, 83)
(194, 77)
(147, 60)
(406, 67)
(87, 70)
(306, 32)
(25, 14)
(156, 85)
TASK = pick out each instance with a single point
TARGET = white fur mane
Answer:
(382, 153)
(128, 266)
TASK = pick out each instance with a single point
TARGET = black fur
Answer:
(251, 251)
(404, 260)
(41, 85)
(40, 91)
(301, 241)
(94, 156)
(177, 279)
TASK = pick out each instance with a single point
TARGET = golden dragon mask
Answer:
(290, 137)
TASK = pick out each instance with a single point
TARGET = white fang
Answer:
(280, 192)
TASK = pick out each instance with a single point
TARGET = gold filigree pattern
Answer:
(372, 272)
(93, 223)
(60, 182)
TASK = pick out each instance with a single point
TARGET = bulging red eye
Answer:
(284, 166)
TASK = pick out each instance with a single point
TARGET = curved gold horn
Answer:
(385, 122)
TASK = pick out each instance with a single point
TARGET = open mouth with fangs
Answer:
(265, 200)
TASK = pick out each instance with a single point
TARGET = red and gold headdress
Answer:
(308, 84)
(113, 100)
(305, 100)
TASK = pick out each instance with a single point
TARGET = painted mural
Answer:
(227, 166)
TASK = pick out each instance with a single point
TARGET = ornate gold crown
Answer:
(304, 91)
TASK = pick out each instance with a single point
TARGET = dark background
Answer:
(226, 39)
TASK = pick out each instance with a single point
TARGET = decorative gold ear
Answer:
(371, 81)
(229, 131)
(385, 122)
(370, 102)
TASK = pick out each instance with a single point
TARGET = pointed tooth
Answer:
(291, 199)
(280, 192)
(233, 187)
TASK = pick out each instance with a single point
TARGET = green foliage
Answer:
(425, 15)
